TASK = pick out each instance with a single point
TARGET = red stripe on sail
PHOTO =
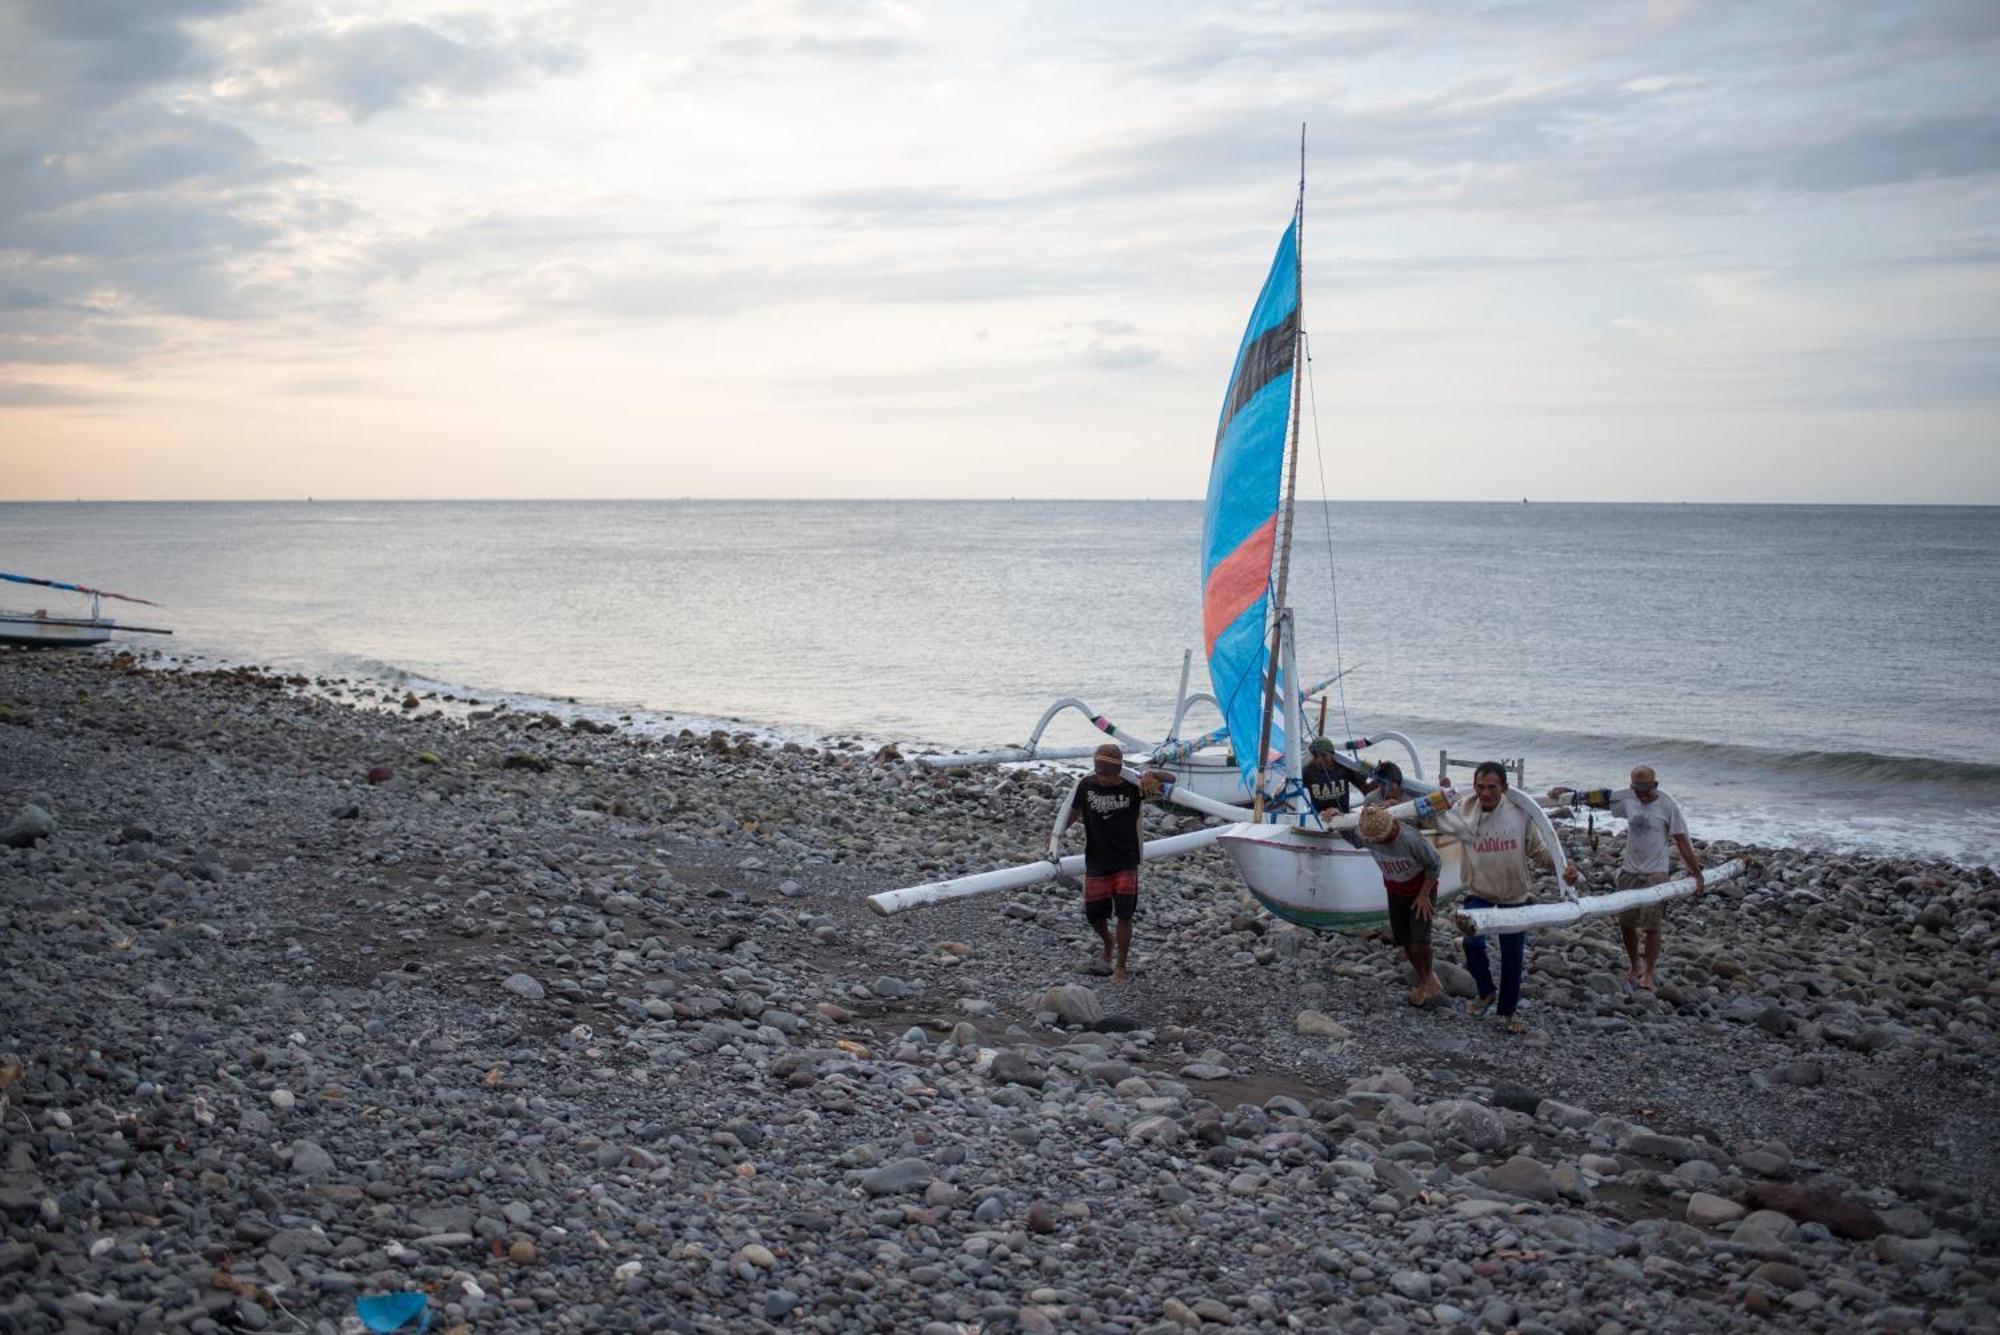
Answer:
(1237, 581)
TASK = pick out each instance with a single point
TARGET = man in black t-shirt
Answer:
(1328, 776)
(1109, 804)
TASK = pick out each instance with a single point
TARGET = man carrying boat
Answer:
(1498, 839)
(1409, 867)
(1329, 777)
(1651, 820)
(1109, 804)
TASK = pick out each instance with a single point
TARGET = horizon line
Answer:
(951, 500)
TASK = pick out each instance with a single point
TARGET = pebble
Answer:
(524, 986)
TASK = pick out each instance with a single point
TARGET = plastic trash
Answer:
(394, 1311)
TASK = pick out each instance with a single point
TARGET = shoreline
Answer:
(384, 689)
(636, 980)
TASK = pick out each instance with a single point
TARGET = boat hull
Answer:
(1319, 880)
(1217, 780)
(23, 631)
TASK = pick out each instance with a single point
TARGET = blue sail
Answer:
(1240, 526)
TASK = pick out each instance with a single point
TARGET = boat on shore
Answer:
(42, 629)
(1301, 865)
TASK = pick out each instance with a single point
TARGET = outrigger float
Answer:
(1300, 866)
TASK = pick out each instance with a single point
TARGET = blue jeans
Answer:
(1513, 961)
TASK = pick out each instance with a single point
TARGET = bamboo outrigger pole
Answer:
(1523, 917)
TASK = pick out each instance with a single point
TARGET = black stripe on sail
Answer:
(1268, 357)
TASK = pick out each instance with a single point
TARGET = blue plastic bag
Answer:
(394, 1311)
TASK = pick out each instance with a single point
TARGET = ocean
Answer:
(1799, 675)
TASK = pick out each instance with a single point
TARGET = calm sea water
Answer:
(1798, 674)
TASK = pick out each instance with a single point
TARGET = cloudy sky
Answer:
(1584, 250)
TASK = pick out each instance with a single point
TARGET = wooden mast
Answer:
(1281, 614)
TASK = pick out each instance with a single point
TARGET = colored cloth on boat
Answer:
(1513, 961)
(1239, 526)
(1406, 861)
(1650, 828)
(1110, 812)
(1329, 781)
(1498, 844)
(1646, 917)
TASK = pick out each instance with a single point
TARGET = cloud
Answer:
(361, 70)
(129, 193)
(100, 49)
(841, 29)
(32, 394)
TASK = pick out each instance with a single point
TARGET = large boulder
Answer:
(1471, 1124)
(1012, 1067)
(1073, 1004)
(29, 825)
(1522, 1176)
(898, 1177)
(1456, 978)
(1709, 1211)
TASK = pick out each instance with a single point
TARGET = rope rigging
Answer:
(1326, 518)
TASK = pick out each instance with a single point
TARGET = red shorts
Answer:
(1110, 883)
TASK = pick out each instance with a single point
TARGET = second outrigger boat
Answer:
(42, 629)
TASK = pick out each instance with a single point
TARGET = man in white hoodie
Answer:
(1499, 838)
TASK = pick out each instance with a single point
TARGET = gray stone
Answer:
(897, 1177)
(1205, 1071)
(524, 986)
(1706, 1211)
(1013, 1067)
(309, 1160)
(1073, 1003)
(1471, 1124)
(1522, 1176)
(1319, 1024)
(30, 823)
(1566, 1116)
(1804, 1073)
(1156, 1131)
(1456, 978)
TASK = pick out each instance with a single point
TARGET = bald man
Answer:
(1109, 805)
(1651, 820)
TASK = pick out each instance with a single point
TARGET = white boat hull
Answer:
(1215, 779)
(26, 631)
(1320, 880)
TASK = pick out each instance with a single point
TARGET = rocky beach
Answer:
(314, 990)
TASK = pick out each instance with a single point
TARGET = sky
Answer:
(1571, 249)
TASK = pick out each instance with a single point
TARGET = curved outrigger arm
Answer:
(1162, 753)
(1033, 751)
(1354, 744)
